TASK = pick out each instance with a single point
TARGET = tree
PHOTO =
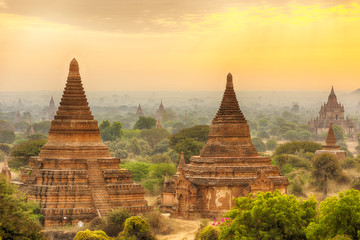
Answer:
(145, 123)
(199, 133)
(339, 215)
(339, 133)
(327, 166)
(21, 153)
(161, 147)
(259, 144)
(269, 216)
(271, 144)
(209, 233)
(139, 170)
(91, 235)
(263, 134)
(7, 136)
(18, 218)
(41, 127)
(190, 147)
(110, 132)
(154, 136)
(115, 221)
(136, 228)
(297, 146)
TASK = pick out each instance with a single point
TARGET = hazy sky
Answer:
(180, 44)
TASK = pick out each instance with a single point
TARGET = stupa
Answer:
(51, 109)
(158, 124)
(331, 147)
(139, 111)
(161, 111)
(228, 166)
(332, 112)
(74, 178)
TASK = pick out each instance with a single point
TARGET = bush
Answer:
(263, 134)
(136, 228)
(91, 235)
(210, 233)
(259, 144)
(7, 136)
(271, 144)
(115, 222)
(21, 153)
(158, 223)
(296, 146)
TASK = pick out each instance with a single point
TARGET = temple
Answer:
(331, 147)
(161, 111)
(74, 178)
(139, 111)
(158, 124)
(51, 111)
(332, 112)
(228, 166)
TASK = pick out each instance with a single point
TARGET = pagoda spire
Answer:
(332, 96)
(229, 111)
(330, 139)
(181, 164)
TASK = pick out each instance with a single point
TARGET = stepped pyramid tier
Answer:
(332, 112)
(139, 111)
(331, 147)
(74, 178)
(228, 166)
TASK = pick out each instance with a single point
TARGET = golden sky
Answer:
(180, 45)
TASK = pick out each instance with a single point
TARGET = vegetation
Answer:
(145, 123)
(91, 235)
(21, 153)
(269, 216)
(18, 219)
(136, 228)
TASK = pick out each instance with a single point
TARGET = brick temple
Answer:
(228, 166)
(332, 112)
(331, 147)
(74, 178)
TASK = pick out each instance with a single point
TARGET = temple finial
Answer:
(74, 66)
(229, 81)
(181, 163)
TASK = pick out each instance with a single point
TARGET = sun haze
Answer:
(180, 45)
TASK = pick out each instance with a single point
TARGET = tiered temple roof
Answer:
(228, 166)
(139, 111)
(74, 178)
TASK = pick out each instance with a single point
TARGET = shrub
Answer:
(210, 233)
(91, 235)
(271, 144)
(136, 228)
(115, 221)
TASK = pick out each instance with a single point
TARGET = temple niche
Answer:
(228, 166)
(74, 178)
(332, 112)
(331, 147)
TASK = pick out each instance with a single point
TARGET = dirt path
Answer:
(183, 230)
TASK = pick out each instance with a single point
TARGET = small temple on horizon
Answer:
(139, 111)
(332, 112)
(74, 178)
(161, 111)
(229, 166)
(51, 111)
(331, 147)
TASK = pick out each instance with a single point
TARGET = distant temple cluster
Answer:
(332, 112)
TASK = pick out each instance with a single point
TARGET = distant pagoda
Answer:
(332, 112)
(228, 166)
(158, 124)
(74, 178)
(51, 109)
(161, 111)
(139, 111)
(331, 147)
(5, 171)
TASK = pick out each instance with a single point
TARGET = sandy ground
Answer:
(183, 230)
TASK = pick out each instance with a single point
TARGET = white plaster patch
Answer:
(221, 193)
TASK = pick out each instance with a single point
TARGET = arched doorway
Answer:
(182, 205)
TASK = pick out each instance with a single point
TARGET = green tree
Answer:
(199, 133)
(7, 136)
(326, 166)
(259, 144)
(271, 144)
(297, 146)
(21, 153)
(339, 215)
(190, 147)
(339, 133)
(136, 228)
(154, 136)
(42, 127)
(145, 123)
(162, 146)
(104, 124)
(139, 170)
(263, 134)
(110, 133)
(269, 216)
(91, 235)
(18, 218)
(209, 233)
